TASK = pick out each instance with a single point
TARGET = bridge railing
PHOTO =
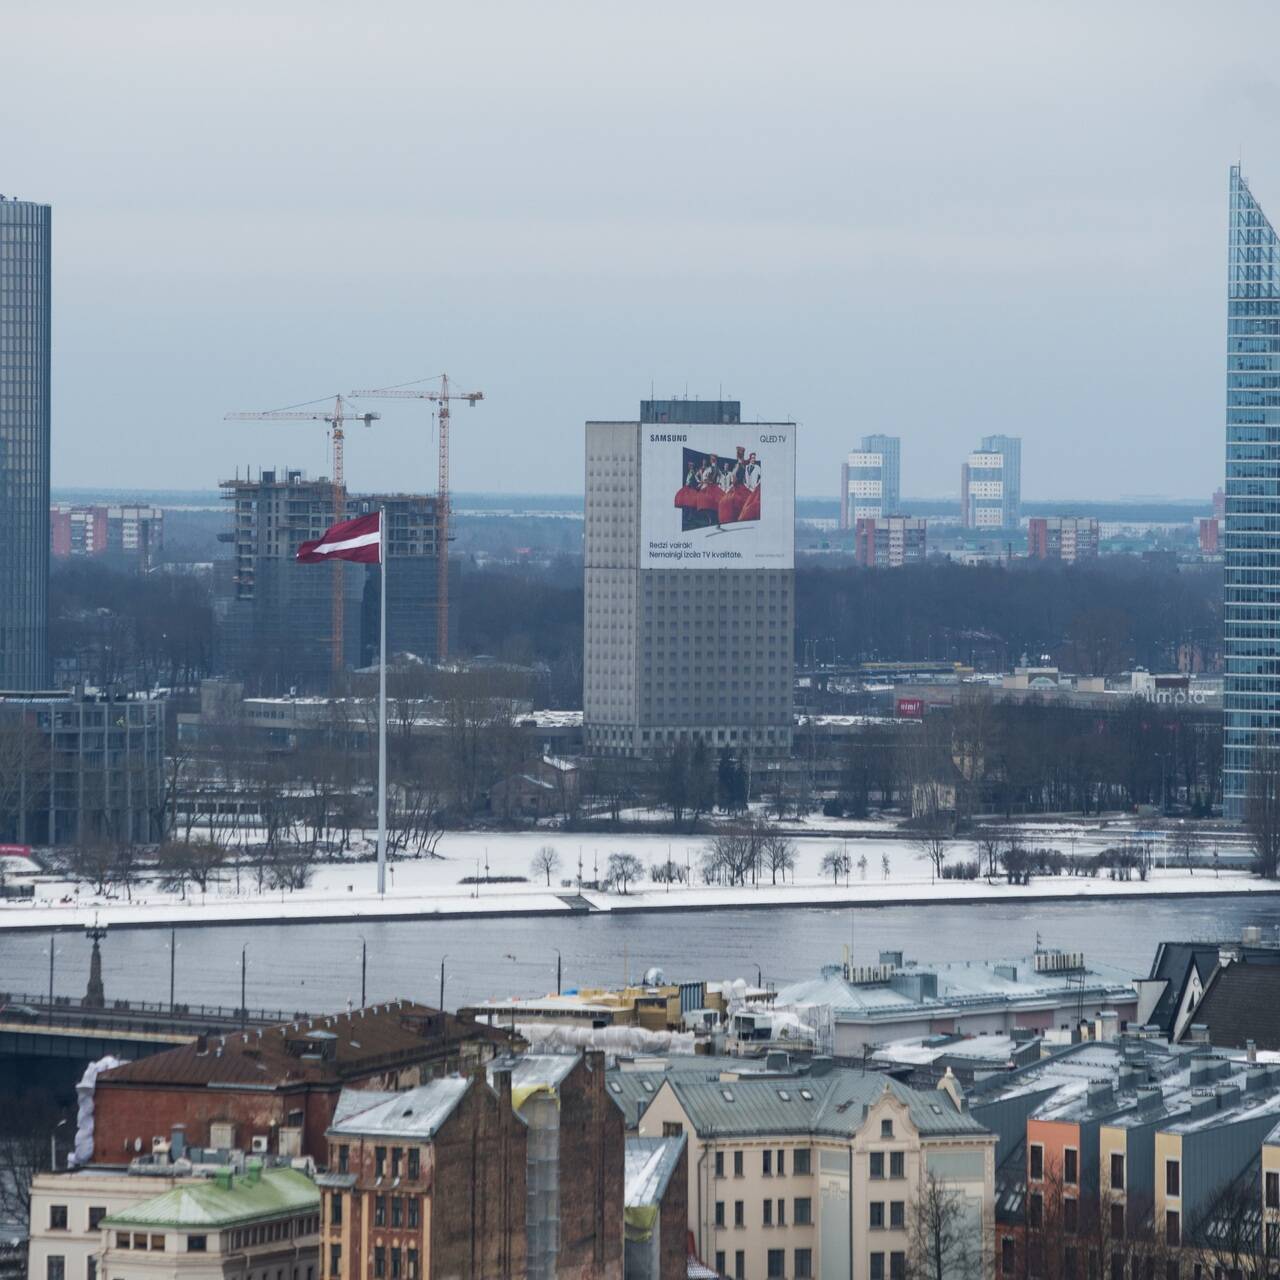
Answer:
(151, 1015)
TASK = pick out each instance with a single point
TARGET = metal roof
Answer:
(650, 1162)
(830, 1105)
(416, 1113)
(214, 1204)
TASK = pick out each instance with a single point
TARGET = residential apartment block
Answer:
(889, 542)
(818, 1175)
(1065, 538)
(126, 537)
(871, 480)
(991, 484)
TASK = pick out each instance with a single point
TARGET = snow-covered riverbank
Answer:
(883, 872)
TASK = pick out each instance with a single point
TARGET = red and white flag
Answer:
(359, 540)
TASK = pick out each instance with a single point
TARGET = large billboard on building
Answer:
(718, 496)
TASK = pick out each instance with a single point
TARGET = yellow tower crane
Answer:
(335, 417)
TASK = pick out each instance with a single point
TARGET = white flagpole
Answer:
(382, 704)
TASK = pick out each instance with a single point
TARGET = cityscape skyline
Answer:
(200, 277)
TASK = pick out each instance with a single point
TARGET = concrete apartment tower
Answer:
(871, 481)
(991, 484)
(25, 271)
(1250, 541)
(689, 581)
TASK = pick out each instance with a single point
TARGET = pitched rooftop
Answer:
(224, 1202)
(415, 1113)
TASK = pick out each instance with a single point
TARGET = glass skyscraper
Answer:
(24, 444)
(1251, 537)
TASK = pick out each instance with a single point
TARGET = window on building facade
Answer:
(1036, 1161)
(898, 1214)
(897, 1266)
(804, 1264)
(413, 1211)
(719, 1213)
(1070, 1214)
(411, 1264)
(875, 1162)
(803, 1211)
(1117, 1171)
(1273, 1190)
(1172, 1178)
(57, 1217)
(197, 1244)
(397, 1211)
(739, 1213)
(776, 1263)
(379, 1162)
(800, 1161)
(1172, 1227)
(1008, 1255)
(737, 1164)
(1071, 1166)
(720, 1262)
(335, 1209)
(740, 1265)
(415, 1164)
(768, 1213)
(1117, 1221)
(344, 1158)
(897, 1164)
(55, 1267)
(875, 1218)
(96, 1214)
(379, 1211)
(876, 1268)
(91, 1268)
(379, 1261)
(719, 1164)
(766, 1163)
(335, 1261)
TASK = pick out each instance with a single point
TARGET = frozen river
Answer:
(316, 967)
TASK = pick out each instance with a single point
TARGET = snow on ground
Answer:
(431, 886)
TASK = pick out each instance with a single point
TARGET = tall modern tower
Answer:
(1251, 535)
(991, 484)
(871, 481)
(689, 581)
(24, 444)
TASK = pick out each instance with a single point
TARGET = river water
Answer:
(316, 967)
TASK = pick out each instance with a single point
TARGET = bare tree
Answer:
(733, 854)
(945, 1233)
(546, 861)
(933, 827)
(624, 870)
(779, 853)
(835, 863)
(180, 863)
(1262, 806)
(26, 1123)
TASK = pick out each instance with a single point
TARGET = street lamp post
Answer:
(364, 966)
(244, 1008)
(559, 969)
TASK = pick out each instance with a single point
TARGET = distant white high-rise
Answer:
(871, 481)
(991, 484)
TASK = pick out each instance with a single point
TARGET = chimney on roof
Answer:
(202, 1043)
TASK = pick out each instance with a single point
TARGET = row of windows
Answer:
(773, 1163)
(776, 1264)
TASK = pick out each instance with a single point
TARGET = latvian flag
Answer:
(359, 540)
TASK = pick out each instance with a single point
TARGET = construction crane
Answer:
(441, 399)
(335, 417)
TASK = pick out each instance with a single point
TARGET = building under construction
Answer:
(278, 628)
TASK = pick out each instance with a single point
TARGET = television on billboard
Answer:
(718, 496)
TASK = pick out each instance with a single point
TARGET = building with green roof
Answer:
(262, 1223)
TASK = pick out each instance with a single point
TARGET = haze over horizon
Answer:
(941, 222)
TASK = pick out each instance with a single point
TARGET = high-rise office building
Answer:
(1250, 543)
(991, 484)
(24, 443)
(871, 481)
(689, 581)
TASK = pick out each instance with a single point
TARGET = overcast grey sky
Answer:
(940, 220)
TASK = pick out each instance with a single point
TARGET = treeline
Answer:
(1095, 619)
(139, 629)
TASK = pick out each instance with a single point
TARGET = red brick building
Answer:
(275, 1090)
(426, 1184)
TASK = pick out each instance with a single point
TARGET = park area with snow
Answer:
(882, 869)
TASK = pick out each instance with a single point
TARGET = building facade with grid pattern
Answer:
(24, 444)
(679, 654)
(1251, 533)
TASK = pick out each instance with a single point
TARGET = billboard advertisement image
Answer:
(718, 497)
